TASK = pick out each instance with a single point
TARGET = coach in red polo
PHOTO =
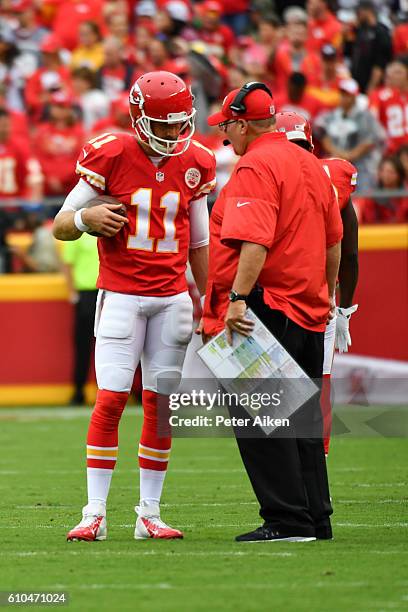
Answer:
(275, 234)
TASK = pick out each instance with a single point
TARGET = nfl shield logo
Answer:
(160, 177)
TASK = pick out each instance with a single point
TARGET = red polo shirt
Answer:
(278, 196)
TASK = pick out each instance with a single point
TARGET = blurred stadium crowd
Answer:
(66, 67)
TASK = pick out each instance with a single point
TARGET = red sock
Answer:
(155, 441)
(325, 404)
(102, 440)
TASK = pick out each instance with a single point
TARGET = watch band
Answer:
(235, 297)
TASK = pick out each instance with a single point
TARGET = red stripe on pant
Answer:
(103, 427)
(156, 431)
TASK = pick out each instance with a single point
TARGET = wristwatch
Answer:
(234, 296)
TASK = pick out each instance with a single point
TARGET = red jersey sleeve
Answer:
(96, 159)
(343, 176)
(334, 225)
(204, 175)
(251, 209)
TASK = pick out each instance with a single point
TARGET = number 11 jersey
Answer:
(148, 256)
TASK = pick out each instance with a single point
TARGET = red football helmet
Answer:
(164, 98)
(295, 126)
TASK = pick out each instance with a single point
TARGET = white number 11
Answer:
(141, 240)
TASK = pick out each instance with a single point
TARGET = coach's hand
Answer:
(343, 338)
(104, 219)
(235, 320)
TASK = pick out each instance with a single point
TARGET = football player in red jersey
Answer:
(343, 176)
(144, 311)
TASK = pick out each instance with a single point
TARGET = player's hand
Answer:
(104, 219)
(343, 338)
(235, 320)
(332, 309)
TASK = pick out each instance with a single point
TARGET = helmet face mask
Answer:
(162, 98)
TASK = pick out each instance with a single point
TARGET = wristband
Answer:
(79, 224)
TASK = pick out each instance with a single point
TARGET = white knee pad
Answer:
(180, 322)
(162, 366)
(118, 345)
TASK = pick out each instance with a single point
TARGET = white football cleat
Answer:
(150, 525)
(92, 527)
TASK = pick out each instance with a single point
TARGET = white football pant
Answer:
(130, 328)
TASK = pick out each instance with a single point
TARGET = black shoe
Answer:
(270, 534)
(324, 533)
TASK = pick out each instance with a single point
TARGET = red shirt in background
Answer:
(14, 168)
(57, 151)
(40, 86)
(218, 42)
(325, 31)
(293, 213)
(391, 109)
(400, 39)
(70, 15)
(283, 66)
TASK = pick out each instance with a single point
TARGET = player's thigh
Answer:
(120, 332)
(167, 336)
(329, 338)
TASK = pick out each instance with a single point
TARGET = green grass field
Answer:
(207, 495)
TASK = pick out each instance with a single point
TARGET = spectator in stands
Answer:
(89, 52)
(236, 15)
(11, 73)
(70, 14)
(326, 91)
(292, 55)
(372, 49)
(58, 142)
(20, 174)
(218, 37)
(80, 267)
(118, 119)
(387, 209)
(323, 27)
(93, 102)
(52, 76)
(390, 104)
(352, 133)
(28, 35)
(297, 99)
(116, 74)
(270, 33)
(172, 20)
(41, 256)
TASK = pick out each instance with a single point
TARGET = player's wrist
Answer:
(234, 296)
(79, 221)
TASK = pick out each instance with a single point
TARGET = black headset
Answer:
(238, 105)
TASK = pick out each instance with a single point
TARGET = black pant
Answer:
(288, 474)
(83, 338)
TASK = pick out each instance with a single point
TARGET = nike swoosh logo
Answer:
(242, 204)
